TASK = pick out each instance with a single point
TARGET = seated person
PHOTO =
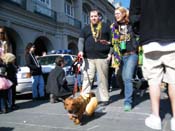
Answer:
(56, 82)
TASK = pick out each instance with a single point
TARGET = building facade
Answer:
(49, 24)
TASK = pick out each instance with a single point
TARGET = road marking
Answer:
(43, 126)
(44, 113)
(92, 127)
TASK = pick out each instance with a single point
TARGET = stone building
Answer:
(49, 24)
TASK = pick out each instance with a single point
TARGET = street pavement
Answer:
(44, 116)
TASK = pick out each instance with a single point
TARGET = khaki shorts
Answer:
(159, 67)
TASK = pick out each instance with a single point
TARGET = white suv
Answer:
(48, 63)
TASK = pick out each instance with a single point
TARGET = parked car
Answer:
(48, 63)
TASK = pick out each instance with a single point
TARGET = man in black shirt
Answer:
(94, 46)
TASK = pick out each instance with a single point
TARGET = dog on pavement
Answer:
(83, 104)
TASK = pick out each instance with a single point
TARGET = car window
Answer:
(68, 60)
(47, 60)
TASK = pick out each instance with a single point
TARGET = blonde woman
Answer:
(124, 45)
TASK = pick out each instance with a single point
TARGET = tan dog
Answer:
(80, 105)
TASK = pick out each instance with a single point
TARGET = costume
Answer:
(5, 84)
(125, 54)
(95, 54)
(9, 60)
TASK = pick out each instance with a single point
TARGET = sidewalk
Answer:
(44, 116)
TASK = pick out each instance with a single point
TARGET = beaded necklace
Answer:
(115, 42)
(96, 33)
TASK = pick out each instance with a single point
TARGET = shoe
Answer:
(172, 124)
(53, 101)
(14, 107)
(4, 111)
(35, 99)
(42, 98)
(153, 122)
(127, 108)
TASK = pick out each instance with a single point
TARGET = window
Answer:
(85, 18)
(86, 10)
(69, 10)
(44, 7)
(17, 1)
(47, 3)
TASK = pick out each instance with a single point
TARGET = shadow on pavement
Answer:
(165, 108)
(87, 119)
(137, 99)
(29, 103)
(116, 97)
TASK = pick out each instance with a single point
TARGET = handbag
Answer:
(5, 83)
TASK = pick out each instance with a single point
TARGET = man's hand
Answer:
(105, 42)
(80, 54)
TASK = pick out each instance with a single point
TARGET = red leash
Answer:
(77, 69)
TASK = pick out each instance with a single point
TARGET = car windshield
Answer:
(49, 60)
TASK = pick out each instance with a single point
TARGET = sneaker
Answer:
(153, 122)
(172, 124)
(127, 108)
(53, 101)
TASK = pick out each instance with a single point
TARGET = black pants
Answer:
(3, 99)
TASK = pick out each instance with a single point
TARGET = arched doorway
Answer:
(73, 47)
(42, 45)
(16, 44)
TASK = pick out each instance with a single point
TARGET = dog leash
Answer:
(77, 65)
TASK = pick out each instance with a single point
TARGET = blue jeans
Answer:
(78, 79)
(37, 86)
(128, 70)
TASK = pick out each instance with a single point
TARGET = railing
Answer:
(20, 3)
(43, 10)
(62, 17)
